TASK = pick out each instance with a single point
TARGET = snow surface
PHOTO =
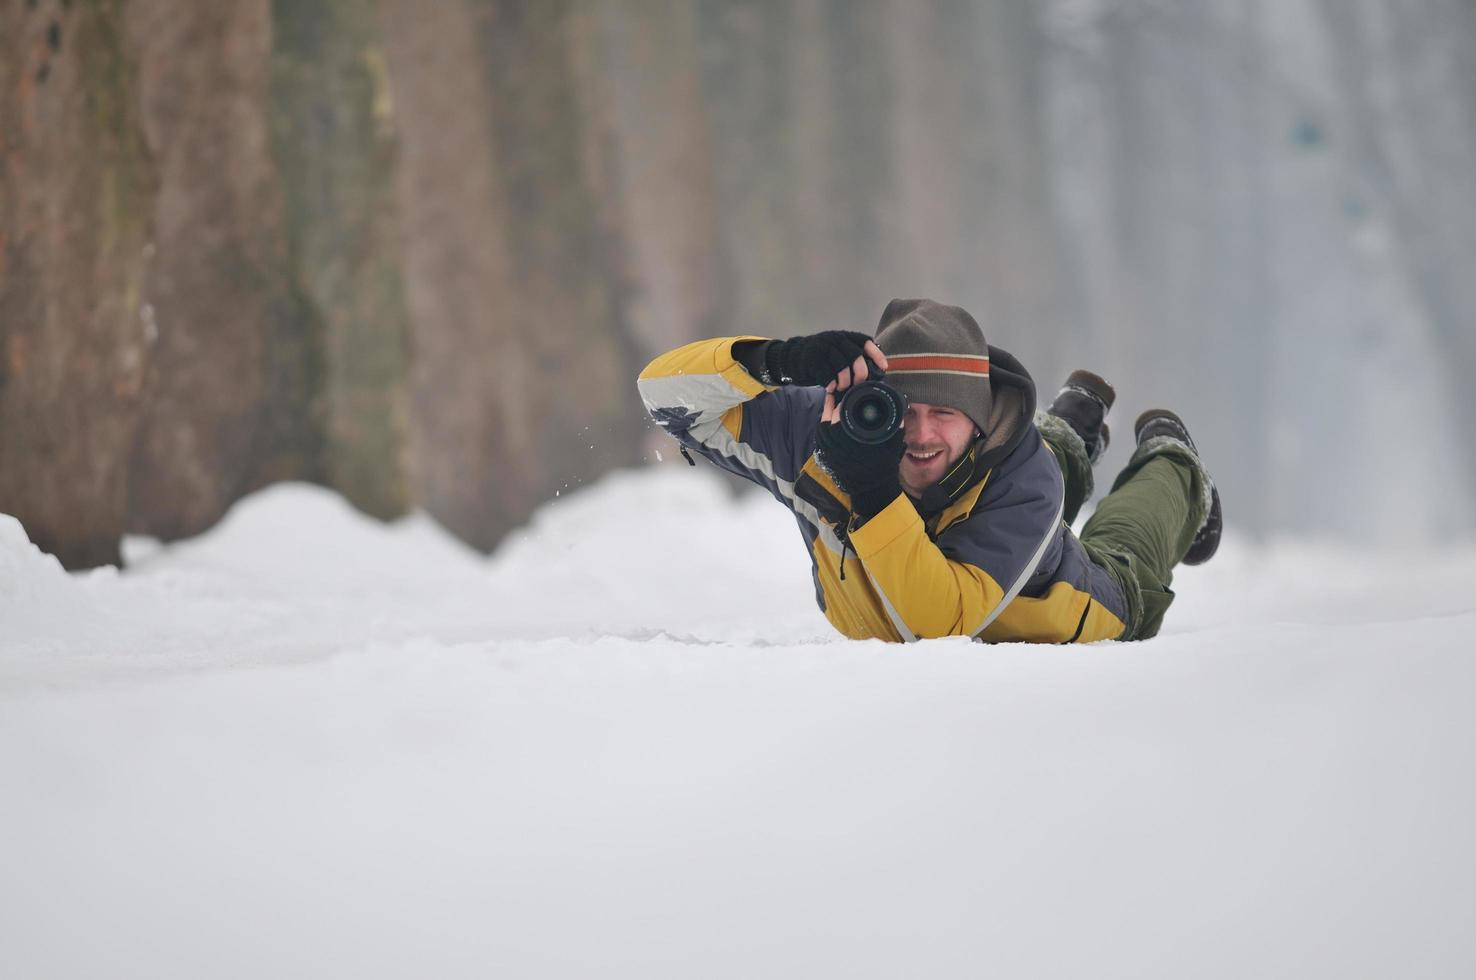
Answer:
(309, 745)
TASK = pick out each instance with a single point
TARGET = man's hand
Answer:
(841, 357)
(866, 471)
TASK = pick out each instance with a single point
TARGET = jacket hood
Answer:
(1011, 415)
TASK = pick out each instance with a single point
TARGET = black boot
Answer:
(1083, 404)
(1161, 422)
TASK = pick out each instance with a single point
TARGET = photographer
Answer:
(955, 520)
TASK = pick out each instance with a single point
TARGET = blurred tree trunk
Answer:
(974, 170)
(1162, 112)
(569, 387)
(460, 281)
(800, 110)
(76, 187)
(664, 166)
(230, 389)
(524, 360)
(1231, 137)
(1410, 78)
(334, 141)
(747, 85)
(847, 173)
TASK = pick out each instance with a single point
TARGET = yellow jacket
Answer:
(996, 563)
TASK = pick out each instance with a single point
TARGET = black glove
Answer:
(813, 360)
(866, 471)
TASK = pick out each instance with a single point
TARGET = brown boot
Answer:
(1083, 404)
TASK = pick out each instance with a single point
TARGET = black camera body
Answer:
(871, 412)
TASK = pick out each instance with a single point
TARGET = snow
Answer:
(627, 745)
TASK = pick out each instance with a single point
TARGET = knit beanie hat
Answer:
(936, 354)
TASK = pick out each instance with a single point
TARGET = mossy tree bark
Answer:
(230, 391)
(76, 187)
(334, 138)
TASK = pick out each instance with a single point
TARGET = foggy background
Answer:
(417, 252)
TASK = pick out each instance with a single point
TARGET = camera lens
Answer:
(871, 411)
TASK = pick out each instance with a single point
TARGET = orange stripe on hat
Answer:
(975, 364)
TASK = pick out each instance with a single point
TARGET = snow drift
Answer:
(628, 745)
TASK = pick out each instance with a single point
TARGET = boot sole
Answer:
(1094, 385)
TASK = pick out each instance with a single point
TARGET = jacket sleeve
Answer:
(712, 406)
(958, 585)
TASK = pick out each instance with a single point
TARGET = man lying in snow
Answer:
(958, 524)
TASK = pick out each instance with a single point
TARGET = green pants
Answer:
(1143, 527)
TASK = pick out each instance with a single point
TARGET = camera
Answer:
(871, 412)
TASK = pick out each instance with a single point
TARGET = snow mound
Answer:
(663, 550)
(27, 574)
(293, 574)
(299, 535)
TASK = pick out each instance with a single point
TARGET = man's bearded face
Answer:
(936, 436)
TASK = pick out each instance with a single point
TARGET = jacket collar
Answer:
(959, 509)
